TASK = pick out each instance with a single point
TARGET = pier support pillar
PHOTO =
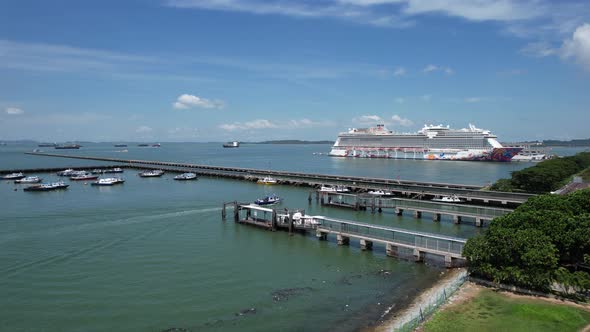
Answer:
(342, 240)
(236, 212)
(456, 219)
(399, 212)
(449, 261)
(436, 217)
(391, 250)
(322, 236)
(309, 198)
(366, 244)
(478, 222)
(418, 255)
(322, 199)
(417, 214)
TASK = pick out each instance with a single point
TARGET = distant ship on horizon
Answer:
(433, 142)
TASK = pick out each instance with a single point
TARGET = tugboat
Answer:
(268, 200)
(151, 174)
(186, 176)
(108, 182)
(13, 176)
(267, 180)
(29, 179)
(83, 176)
(47, 186)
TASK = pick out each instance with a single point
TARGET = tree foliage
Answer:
(546, 239)
(546, 176)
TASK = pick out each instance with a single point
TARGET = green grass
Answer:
(490, 311)
(585, 174)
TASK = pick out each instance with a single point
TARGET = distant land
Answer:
(573, 142)
(291, 141)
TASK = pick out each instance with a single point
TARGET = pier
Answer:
(416, 245)
(408, 189)
(480, 214)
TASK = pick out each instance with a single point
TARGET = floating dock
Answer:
(396, 240)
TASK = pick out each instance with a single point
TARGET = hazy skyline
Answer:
(211, 70)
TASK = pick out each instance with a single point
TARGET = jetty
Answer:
(409, 189)
(480, 214)
(398, 242)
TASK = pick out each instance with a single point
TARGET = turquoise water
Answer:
(153, 254)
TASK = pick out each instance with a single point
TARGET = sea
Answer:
(154, 254)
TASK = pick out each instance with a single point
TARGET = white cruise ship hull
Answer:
(495, 154)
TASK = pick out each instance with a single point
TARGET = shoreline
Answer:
(394, 319)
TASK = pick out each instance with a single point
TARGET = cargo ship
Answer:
(433, 142)
(233, 144)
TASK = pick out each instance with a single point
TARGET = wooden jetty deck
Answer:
(395, 240)
(405, 188)
(480, 214)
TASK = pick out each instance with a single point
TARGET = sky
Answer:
(251, 70)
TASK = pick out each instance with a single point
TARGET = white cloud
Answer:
(477, 10)
(539, 49)
(400, 100)
(578, 46)
(434, 68)
(430, 68)
(254, 124)
(399, 71)
(399, 121)
(368, 119)
(472, 100)
(426, 97)
(14, 111)
(187, 101)
(143, 130)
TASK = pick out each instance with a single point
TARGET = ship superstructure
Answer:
(433, 142)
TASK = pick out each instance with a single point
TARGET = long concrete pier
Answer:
(416, 244)
(480, 214)
(470, 193)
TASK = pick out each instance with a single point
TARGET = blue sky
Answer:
(215, 70)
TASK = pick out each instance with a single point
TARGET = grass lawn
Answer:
(491, 311)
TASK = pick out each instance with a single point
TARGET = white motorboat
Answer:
(334, 189)
(268, 200)
(13, 176)
(151, 174)
(379, 193)
(107, 181)
(29, 179)
(186, 176)
(448, 199)
(81, 176)
(66, 172)
(47, 186)
(267, 180)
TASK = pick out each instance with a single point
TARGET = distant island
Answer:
(291, 141)
(573, 142)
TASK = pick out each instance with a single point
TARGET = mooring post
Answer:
(273, 221)
(317, 196)
(322, 199)
(309, 198)
(236, 212)
(290, 216)
(223, 212)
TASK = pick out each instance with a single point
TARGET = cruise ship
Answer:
(433, 142)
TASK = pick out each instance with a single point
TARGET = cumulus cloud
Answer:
(14, 111)
(368, 119)
(397, 120)
(186, 101)
(578, 46)
(143, 130)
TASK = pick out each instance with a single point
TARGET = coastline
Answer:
(392, 320)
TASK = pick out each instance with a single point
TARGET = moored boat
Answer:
(233, 144)
(120, 145)
(334, 189)
(83, 176)
(151, 173)
(47, 186)
(448, 199)
(267, 180)
(268, 200)
(114, 170)
(66, 172)
(13, 176)
(186, 176)
(67, 146)
(107, 181)
(29, 179)
(379, 193)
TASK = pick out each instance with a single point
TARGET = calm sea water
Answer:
(153, 254)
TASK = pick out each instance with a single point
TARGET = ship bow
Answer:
(504, 154)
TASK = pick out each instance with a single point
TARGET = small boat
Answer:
(66, 172)
(13, 176)
(97, 171)
(379, 193)
(113, 170)
(334, 189)
(120, 145)
(267, 180)
(186, 176)
(448, 199)
(156, 145)
(67, 146)
(47, 186)
(268, 200)
(151, 174)
(234, 144)
(143, 144)
(83, 176)
(29, 179)
(107, 181)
